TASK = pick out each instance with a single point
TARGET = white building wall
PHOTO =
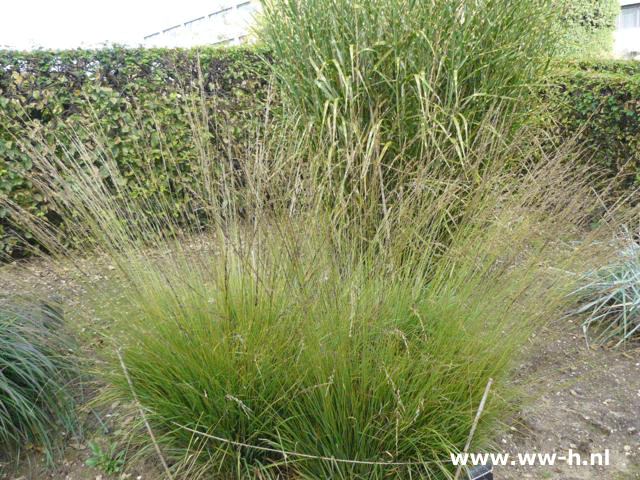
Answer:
(627, 35)
(227, 23)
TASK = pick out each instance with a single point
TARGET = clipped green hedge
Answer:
(139, 99)
(599, 102)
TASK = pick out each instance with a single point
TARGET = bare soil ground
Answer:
(585, 399)
(580, 398)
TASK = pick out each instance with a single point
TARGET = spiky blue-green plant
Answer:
(611, 297)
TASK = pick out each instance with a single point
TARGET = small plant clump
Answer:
(109, 460)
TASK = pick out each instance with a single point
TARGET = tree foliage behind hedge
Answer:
(587, 28)
(136, 105)
(599, 102)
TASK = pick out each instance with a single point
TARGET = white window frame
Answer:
(635, 7)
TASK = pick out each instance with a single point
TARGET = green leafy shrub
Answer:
(120, 101)
(36, 371)
(587, 28)
(599, 104)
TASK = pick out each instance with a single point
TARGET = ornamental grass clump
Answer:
(424, 75)
(36, 377)
(362, 374)
(399, 94)
(265, 338)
